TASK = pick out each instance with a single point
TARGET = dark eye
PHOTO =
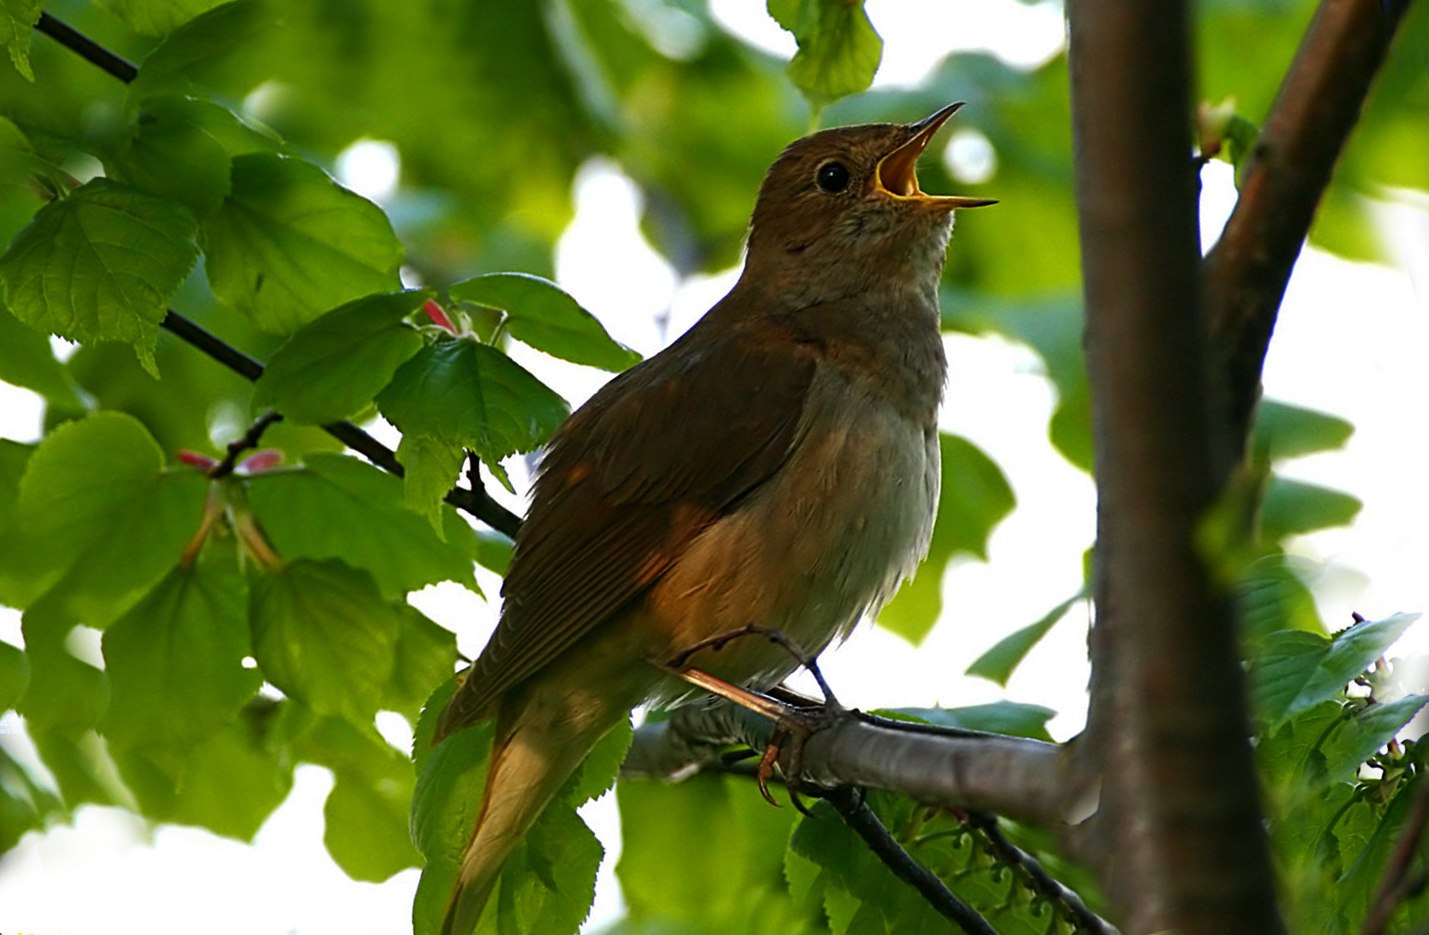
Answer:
(832, 177)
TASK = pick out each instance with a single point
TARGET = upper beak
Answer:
(897, 174)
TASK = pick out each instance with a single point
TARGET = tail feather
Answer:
(529, 764)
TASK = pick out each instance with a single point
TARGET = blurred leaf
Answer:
(1296, 670)
(1015, 719)
(175, 659)
(1292, 508)
(333, 366)
(839, 50)
(290, 243)
(25, 805)
(975, 497)
(474, 396)
(735, 887)
(156, 17)
(17, 18)
(14, 675)
(229, 50)
(543, 315)
(26, 360)
(323, 635)
(100, 264)
(336, 506)
(1285, 431)
(999, 662)
(1273, 597)
(426, 655)
(181, 148)
(1344, 224)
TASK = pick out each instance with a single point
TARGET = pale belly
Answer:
(823, 543)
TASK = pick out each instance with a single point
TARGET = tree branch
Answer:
(1316, 109)
(1167, 731)
(1026, 780)
(91, 51)
(850, 805)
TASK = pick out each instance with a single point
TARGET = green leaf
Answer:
(1297, 670)
(474, 396)
(839, 50)
(289, 243)
(324, 635)
(67, 517)
(182, 149)
(17, 19)
(735, 887)
(1293, 507)
(157, 17)
(1285, 431)
(1273, 597)
(333, 366)
(14, 675)
(432, 466)
(975, 497)
(1013, 718)
(999, 662)
(543, 315)
(227, 51)
(25, 805)
(336, 506)
(426, 655)
(175, 660)
(450, 779)
(597, 773)
(1367, 732)
(548, 882)
(27, 360)
(366, 812)
(100, 265)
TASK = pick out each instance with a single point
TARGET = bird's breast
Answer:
(827, 539)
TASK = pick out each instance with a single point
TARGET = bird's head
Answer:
(842, 206)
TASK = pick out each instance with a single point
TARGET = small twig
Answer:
(1398, 883)
(247, 440)
(91, 51)
(1063, 899)
(850, 805)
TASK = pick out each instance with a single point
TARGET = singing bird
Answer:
(777, 465)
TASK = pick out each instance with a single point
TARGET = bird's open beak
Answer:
(897, 174)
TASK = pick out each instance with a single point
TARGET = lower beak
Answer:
(897, 174)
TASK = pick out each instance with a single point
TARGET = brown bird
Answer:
(777, 465)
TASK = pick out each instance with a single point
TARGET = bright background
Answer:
(1352, 341)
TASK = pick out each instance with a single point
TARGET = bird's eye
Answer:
(832, 177)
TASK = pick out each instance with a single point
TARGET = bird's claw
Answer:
(792, 731)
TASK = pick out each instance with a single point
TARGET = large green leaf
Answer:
(289, 243)
(1285, 431)
(999, 662)
(324, 635)
(1296, 670)
(336, 506)
(473, 396)
(100, 264)
(1294, 507)
(228, 50)
(27, 360)
(334, 365)
(543, 315)
(1016, 719)
(156, 17)
(175, 660)
(975, 497)
(68, 518)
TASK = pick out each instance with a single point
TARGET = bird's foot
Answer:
(792, 730)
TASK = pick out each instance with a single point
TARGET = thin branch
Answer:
(1066, 902)
(91, 51)
(247, 440)
(850, 804)
(1313, 115)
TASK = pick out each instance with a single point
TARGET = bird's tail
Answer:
(529, 764)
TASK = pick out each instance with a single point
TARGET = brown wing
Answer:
(661, 452)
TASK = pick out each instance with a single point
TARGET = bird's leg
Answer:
(793, 724)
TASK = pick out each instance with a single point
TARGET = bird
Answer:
(777, 465)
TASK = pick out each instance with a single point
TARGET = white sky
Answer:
(1351, 340)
